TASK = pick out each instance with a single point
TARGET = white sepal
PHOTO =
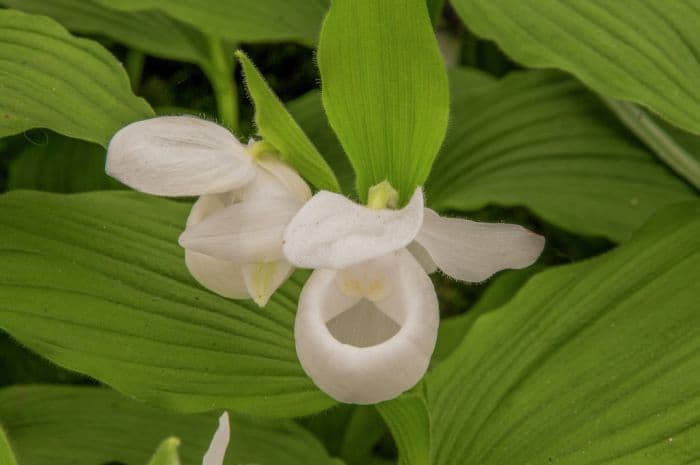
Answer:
(221, 276)
(422, 256)
(178, 156)
(246, 232)
(331, 231)
(471, 251)
(263, 279)
(217, 449)
(365, 351)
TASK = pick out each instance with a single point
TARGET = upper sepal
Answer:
(331, 231)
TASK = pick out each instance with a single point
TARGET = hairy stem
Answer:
(220, 74)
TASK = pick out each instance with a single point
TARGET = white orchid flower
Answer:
(233, 238)
(219, 443)
(367, 320)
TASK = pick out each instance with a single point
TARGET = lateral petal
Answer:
(220, 276)
(246, 232)
(471, 251)
(178, 156)
(422, 256)
(367, 357)
(331, 231)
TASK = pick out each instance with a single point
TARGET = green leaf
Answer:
(363, 431)
(166, 454)
(590, 363)
(678, 149)
(60, 164)
(20, 366)
(54, 80)
(349, 432)
(385, 89)
(500, 290)
(646, 55)
(119, 305)
(241, 20)
(277, 127)
(152, 32)
(540, 139)
(307, 111)
(409, 421)
(466, 83)
(68, 425)
(7, 457)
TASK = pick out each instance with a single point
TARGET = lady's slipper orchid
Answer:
(367, 320)
(233, 238)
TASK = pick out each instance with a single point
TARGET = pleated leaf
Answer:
(54, 80)
(240, 20)
(641, 51)
(679, 149)
(385, 89)
(590, 363)
(7, 457)
(60, 164)
(540, 139)
(150, 31)
(97, 283)
(68, 425)
(278, 127)
(500, 290)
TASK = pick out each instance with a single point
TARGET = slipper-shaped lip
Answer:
(367, 375)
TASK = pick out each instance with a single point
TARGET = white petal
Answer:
(263, 279)
(356, 355)
(219, 443)
(220, 276)
(178, 156)
(245, 232)
(330, 231)
(423, 257)
(471, 251)
(286, 177)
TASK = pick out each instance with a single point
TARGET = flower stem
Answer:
(220, 74)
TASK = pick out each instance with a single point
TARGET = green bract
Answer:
(279, 129)
(384, 90)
